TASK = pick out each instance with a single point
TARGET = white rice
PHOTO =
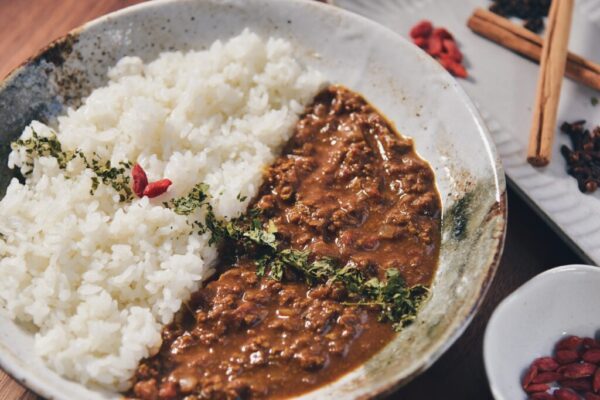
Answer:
(96, 277)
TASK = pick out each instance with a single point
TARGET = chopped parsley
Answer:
(399, 303)
(594, 101)
(49, 146)
(41, 146)
(117, 177)
(246, 236)
(197, 198)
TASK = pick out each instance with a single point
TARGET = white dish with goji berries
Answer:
(541, 338)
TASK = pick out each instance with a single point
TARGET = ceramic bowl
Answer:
(411, 89)
(528, 323)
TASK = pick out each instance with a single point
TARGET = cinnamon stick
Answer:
(553, 62)
(528, 44)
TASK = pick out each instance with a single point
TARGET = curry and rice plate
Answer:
(321, 223)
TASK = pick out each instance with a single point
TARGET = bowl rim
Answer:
(507, 302)
(457, 327)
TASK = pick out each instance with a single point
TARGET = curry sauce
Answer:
(346, 187)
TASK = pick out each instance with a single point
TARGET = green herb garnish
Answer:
(117, 177)
(594, 101)
(50, 146)
(399, 303)
(246, 235)
(41, 146)
(186, 205)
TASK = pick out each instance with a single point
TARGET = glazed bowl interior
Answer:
(409, 88)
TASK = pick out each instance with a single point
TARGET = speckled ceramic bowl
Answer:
(410, 88)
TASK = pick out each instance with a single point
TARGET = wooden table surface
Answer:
(531, 247)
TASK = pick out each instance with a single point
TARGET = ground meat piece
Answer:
(146, 371)
(182, 342)
(368, 243)
(320, 292)
(187, 384)
(249, 313)
(146, 390)
(310, 360)
(167, 391)
(266, 203)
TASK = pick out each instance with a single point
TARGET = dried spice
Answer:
(44, 146)
(157, 188)
(542, 396)
(440, 44)
(49, 146)
(532, 11)
(583, 160)
(565, 377)
(546, 364)
(565, 394)
(109, 175)
(591, 396)
(140, 180)
(196, 198)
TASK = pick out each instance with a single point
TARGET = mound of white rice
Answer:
(96, 277)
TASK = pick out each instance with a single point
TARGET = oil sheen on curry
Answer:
(348, 192)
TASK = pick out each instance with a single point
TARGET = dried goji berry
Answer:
(421, 42)
(452, 50)
(439, 44)
(541, 396)
(546, 364)
(565, 394)
(590, 343)
(537, 387)
(566, 356)
(422, 29)
(445, 61)
(591, 356)
(157, 188)
(529, 375)
(140, 180)
(569, 343)
(442, 33)
(435, 46)
(573, 369)
(596, 381)
(577, 384)
(547, 377)
(458, 70)
(577, 370)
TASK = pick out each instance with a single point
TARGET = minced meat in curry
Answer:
(346, 187)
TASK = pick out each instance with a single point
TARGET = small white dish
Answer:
(528, 323)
